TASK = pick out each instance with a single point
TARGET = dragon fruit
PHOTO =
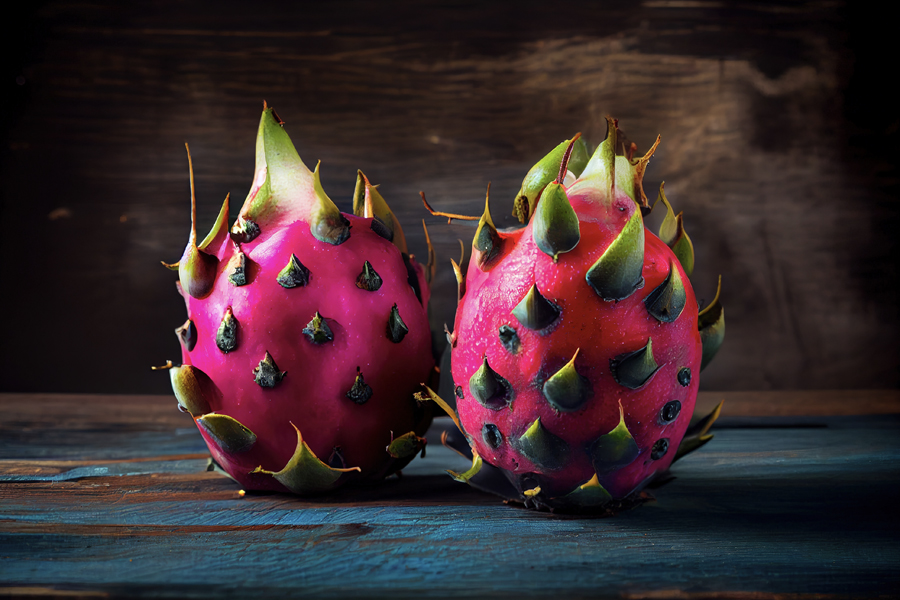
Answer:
(307, 332)
(578, 343)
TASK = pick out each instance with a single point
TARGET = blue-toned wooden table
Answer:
(109, 496)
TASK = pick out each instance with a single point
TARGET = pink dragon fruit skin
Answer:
(577, 342)
(307, 333)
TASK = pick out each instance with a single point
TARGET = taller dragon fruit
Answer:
(307, 332)
(578, 341)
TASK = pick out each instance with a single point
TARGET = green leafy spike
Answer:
(304, 473)
(472, 472)
(667, 301)
(317, 330)
(294, 274)
(711, 323)
(186, 386)
(230, 435)
(226, 336)
(368, 279)
(602, 165)
(589, 494)
(581, 154)
(220, 229)
(567, 390)
(617, 273)
(541, 447)
(266, 374)
(396, 328)
(555, 229)
(187, 335)
(406, 445)
(490, 389)
(196, 269)
(360, 392)
(534, 311)
(634, 369)
(698, 433)
(486, 244)
(369, 203)
(673, 234)
(536, 180)
(616, 449)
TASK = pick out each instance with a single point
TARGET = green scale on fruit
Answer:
(578, 340)
(307, 332)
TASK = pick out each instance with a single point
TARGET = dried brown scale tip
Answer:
(238, 275)
(294, 274)
(187, 335)
(396, 328)
(317, 330)
(267, 374)
(226, 336)
(450, 216)
(368, 279)
(360, 392)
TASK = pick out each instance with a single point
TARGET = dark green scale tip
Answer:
(617, 273)
(616, 449)
(244, 231)
(669, 412)
(711, 323)
(459, 392)
(406, 445)
(509, 338)
(294, 274)
(187, 335)
(490, 389)
(491, 435)
(381, 229)
(544, 449)
(361, 391)
(556, 229)
(396, 328)
(228, 433)
(634, 369)
(226, 336)
(487, 240)
(368, 279)
(267, 374)
(667, 301)
(684, 376)
(238, 275)
(534, 311)
(567, 390)
(660, 447)
(332, 229)
(317, 330)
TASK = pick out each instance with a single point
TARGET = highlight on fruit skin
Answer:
(578, 340)
(307, 333)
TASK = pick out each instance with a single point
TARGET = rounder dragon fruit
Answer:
(307, 332)
(578, 342)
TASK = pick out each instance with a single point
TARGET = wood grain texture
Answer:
(759, 513)
(778, 143)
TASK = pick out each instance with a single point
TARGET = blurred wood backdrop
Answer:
(779, 143)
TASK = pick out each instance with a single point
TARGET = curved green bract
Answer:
(472, 472)
(534, 311)
(219, 229)
(588, 494)
(406, 445)
(711, 322)
(578, 160)
(617, 273)
(567, 390)
(304, 473)
(698, 435)
(537, 178)
(186, 388)
(667, 300)
(229, 434)
(602, 165)
(489, 388)
(634, 369)
(616, 449)
(545, 450)
(672, 232)
(369, 203)
(197, 272)
(555, 228)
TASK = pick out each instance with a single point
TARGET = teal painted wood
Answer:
(806, 509)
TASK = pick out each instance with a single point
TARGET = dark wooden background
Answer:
(779, 143)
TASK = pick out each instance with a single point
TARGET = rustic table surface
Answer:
(109, 496)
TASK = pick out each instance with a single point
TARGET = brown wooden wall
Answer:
(779, 144)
